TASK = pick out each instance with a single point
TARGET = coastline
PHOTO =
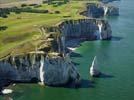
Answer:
(74, 46)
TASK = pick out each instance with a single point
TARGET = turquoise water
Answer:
(115, 58)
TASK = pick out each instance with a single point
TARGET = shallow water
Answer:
(115, 58)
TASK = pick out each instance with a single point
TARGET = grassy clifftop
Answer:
(24, 26)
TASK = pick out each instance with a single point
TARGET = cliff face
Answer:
(54, 70)
(94, 11)
(89, 29)
(60, 71)
(100, 10)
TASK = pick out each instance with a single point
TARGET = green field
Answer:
(23, 27)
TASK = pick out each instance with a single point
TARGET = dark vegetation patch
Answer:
(33, 5)
(56, 3)
(24, 5)
(2, 28)
(66, 16)
(57, 12)
(5, 11)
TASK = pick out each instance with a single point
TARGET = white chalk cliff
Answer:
(54, 70)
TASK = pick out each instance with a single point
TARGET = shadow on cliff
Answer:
(104, 75)
(84, 84)
(75, 63)
(74, 54)
(91, 83)
(114, 38)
